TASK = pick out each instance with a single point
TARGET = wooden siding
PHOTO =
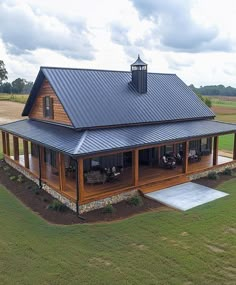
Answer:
(59, 114)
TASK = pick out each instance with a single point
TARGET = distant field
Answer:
(225, 109)
(20, 98)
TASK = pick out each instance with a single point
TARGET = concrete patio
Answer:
(186, 196)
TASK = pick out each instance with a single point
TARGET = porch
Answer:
(147, 177)
(90, 177)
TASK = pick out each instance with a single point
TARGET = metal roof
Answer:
(78, 143)
(98, 98)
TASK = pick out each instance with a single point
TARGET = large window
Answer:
(48, 107)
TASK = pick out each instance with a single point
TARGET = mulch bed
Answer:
(213, 183)
(39, 200)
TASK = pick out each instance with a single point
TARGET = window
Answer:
(204, 144)
(48, 107)
(169, 148)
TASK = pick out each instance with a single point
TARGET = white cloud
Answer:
(24, 30)
(193, 38)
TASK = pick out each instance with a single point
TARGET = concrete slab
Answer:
(186, 196)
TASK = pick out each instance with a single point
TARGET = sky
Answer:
(195, 39)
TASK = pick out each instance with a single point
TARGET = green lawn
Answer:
(196, 247)
(226, 142)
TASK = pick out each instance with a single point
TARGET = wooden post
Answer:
(215, 150)
(135, 166)
(159, 155)
(185, 160)
(7, 144)
(4, 142)
(234, 150)
(43, 164)
(62, 174)
(26, 153)
(16, 147)
(81, 178)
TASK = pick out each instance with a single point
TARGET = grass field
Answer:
(20, 98)
(196, 247)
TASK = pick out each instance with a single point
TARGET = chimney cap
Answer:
(138, 62)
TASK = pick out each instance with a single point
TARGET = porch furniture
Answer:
(179, 158)
(168, 162)
(94, 177)
(194, 156)
(112, 173)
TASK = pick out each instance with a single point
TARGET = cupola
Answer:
(139, 75)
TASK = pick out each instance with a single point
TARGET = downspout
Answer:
(40, 170)
(77, 191)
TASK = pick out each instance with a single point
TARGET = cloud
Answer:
(23, 30)
(175, 28)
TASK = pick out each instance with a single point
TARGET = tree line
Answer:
(214, 90)
(17, 86)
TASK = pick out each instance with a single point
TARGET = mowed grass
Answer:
(20, 98)
(170, 247)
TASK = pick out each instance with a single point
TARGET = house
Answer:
(94, 137)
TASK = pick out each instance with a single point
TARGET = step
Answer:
(163, 184)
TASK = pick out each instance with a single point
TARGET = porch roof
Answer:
(80, 143)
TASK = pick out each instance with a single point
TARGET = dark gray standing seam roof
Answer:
(80, 143)
(97, 98)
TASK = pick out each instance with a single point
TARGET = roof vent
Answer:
(139, 75)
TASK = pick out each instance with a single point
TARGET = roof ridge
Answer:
(97, 69)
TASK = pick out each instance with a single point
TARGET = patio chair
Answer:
(168, 162)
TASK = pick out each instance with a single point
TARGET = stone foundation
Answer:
(82, 208)
(217, 169)
(105, 201)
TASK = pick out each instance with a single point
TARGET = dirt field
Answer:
(10, 112)
(223, 110)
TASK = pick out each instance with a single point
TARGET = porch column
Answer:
(135, 166)
(43, 164)
(215, 150)
(26, 153)
(185, 160)
(16, 147)
(4, 142)
(81, 178)
(234, 150)
(62, 175)
(7, 144)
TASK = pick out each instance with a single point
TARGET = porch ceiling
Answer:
(78, 143)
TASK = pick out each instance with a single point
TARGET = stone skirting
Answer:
(108, 200)
(217, 169)
(45, 187)
(59, 196)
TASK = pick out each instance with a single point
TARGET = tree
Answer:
(3, 72)
(5, 87)
(18, 85)
(208, 102)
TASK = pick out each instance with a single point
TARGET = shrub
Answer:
(20, 178)
(213, 175)
(6, 168)
(13, 178)
(108, 209)
(57, 206)
(228, 171)
(135, 201)
(36, 190)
